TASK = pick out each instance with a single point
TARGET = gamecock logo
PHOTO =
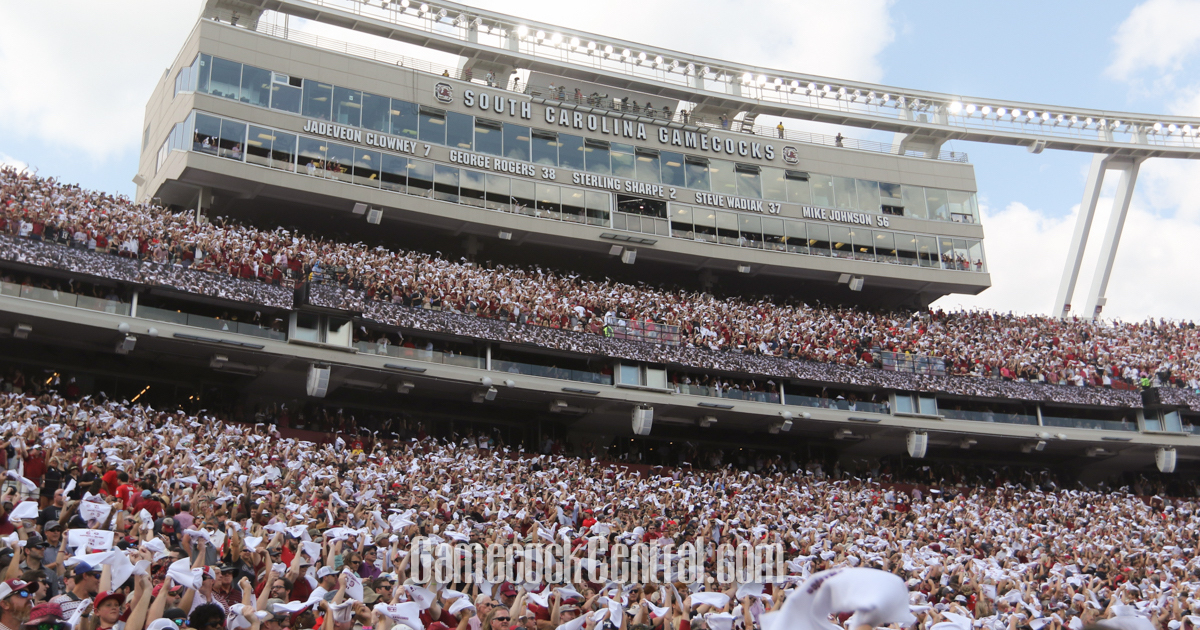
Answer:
(444, 92)
(791, 155)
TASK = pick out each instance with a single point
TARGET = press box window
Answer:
(915, 404)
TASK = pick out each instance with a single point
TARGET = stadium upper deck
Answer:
(249, 121)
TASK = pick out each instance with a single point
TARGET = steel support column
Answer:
(1112, 235)
(1083, 227)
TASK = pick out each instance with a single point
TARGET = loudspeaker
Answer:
(629, 256)
(856, 283)
(643, 419)
(374, 216)
(359, 208)
(318, 381)
(126, 344)
(1165, 458)
(917, 443)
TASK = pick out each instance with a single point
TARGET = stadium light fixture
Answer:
(762, 79)
(1001, 113)
(625, 54)
(955, 107)
(641, 58)
(540, 35)
(1158, 126)
(1016, 113)
(812, 87)
(986, 111)
(658, 60)
(522, 31)
(423, 9)
(970, 109)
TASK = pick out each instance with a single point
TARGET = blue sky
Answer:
(77, 114)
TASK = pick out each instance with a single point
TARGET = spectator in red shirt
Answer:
(112, 479)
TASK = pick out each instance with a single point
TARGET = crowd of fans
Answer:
(118, 515)
(985, 353)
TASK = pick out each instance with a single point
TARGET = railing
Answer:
(649, 332)
(63, 298)
(685, 118)
(562, 374)
(860, 103)
(210, 323)
(1079, 423)
(989, 416)
(913, 363)
(732, 394)
(414, 354)
(835, 403)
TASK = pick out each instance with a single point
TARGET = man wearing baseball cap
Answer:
(47, 613)
(86, 584)
(14, 604)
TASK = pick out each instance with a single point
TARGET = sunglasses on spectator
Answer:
(23, 592)
(501, 618)
(52, 626)
(179, 622)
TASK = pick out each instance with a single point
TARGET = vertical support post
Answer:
(782, 394)
(1112, 236)
(133, 305)
(1039, 415)
(488, 363)
(1083, 227)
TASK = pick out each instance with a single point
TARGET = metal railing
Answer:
(708, 122)
(549, 371)
(63, 298)
(989, 416)
(414, 354)
(1080, 423)
(858, 103)
(210, 323)
(649, 332)
(731, 394)
(835, 403)
(912, 363)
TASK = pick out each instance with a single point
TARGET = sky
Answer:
(75, 83)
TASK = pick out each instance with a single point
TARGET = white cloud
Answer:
(8, 160)
(1026, 252)
(78, 77)
(1157, 37)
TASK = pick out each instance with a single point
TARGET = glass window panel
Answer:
(395, 173)
(548, 201)
(722, 177)
(935, 200)
(312, 156)
(845, 195)
(704, 220)
(868, 195)
(648, 168)
(226, 79)
(799, 191)
(914, 202)
(433, 127)
(727, 228)
(347, 106)
(523, 196)
(283, 151)
(404, 118)
(339, 159)
(545, 149)
(445, 183)
(927, 251)
(885, 247)
(906, 249)
(256, 86)
(318, 99)
(233, 139)
(672, 169)
(976, 253)
(286, 98)
(750, 228)
(773, 233)
(622, 160)
(420, 178)
(207, 135)
(962, 255)
(258, 146)
(681, 222)
(599, 207)
(489, 138)
(498, 193)
(460, 129)
(697, 175)
(841, 241)
(890, 193)
(748, 184)
(202, 74)
(596, 159)
(574, 205)
(375, 112)
(822, 190)
(570, 152)
(864, 243)
(471, 188)
(795, 236)
(366, 167)
(774, 186)
(516, 142)
(818, 239)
